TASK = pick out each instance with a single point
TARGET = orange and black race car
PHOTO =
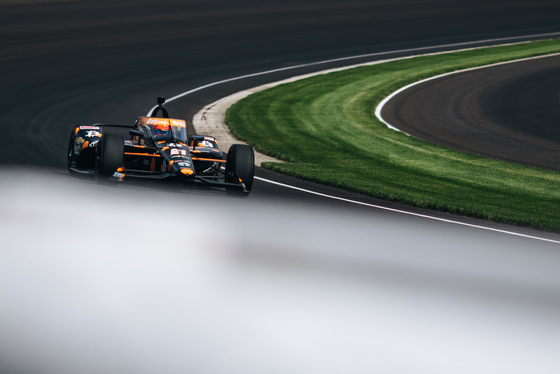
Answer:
(159, 148)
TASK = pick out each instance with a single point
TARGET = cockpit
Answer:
(163, 129)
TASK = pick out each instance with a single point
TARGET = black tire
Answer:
(240, 169)
(70, 153)
(109, 158)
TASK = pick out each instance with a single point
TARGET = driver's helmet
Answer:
(161, 129)
(205, 143)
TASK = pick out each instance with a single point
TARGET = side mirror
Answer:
(136, 133)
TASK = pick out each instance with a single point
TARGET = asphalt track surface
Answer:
(508, 112)
(418, 295)
(86, 62)
(105, 61)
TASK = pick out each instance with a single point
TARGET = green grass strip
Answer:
(325, 127)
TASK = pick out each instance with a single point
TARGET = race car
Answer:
(158, 148)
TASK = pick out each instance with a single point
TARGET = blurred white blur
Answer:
(126, 279)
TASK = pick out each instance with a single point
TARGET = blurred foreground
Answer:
(126, 279)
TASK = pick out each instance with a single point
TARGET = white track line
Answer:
(371, 55)
(383, 102)
(381, 207)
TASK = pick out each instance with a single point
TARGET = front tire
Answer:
(109, 157)
(240, 169)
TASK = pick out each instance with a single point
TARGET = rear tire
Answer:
(109, 157)
(70, 153)
(240, 169)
